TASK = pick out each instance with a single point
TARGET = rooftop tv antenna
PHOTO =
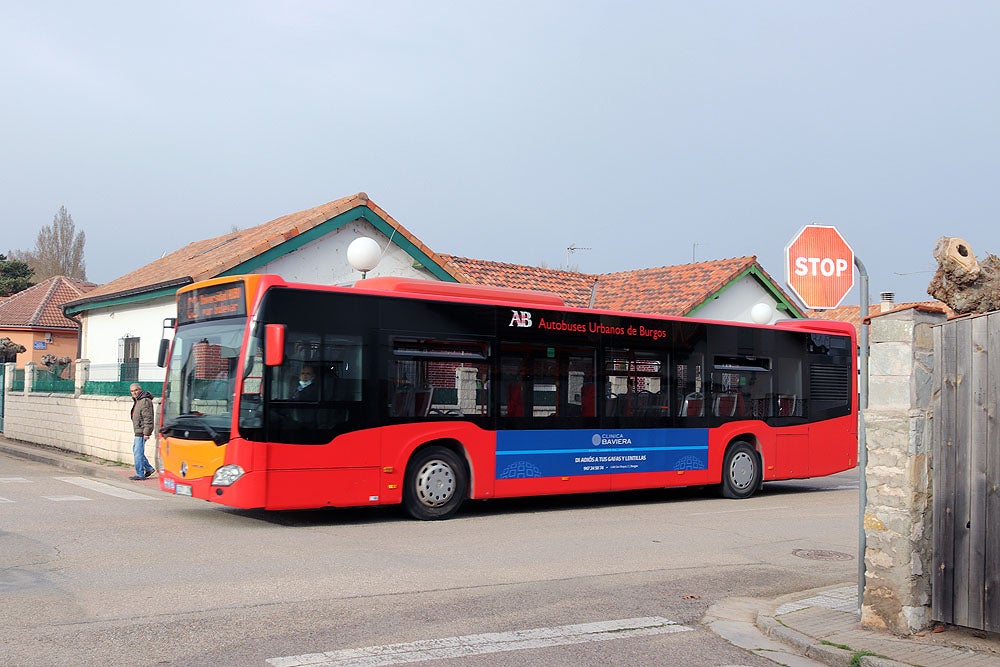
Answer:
(570, 250)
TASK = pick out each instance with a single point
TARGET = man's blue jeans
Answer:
(142, 465)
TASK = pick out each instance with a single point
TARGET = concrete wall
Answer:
(898, 518)
(99, 426)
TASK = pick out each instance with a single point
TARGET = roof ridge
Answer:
(44, 301)
(744, 259)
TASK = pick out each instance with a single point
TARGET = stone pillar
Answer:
(29, 376)
(465, 380)
(898, 512)
(8, 376)
(81, 376)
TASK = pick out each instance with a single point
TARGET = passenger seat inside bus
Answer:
(787, 404)
(729, 404)
(693, 405)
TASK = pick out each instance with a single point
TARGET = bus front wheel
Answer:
(741, 473)
(435, 485)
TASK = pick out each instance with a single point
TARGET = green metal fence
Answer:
(18, 380)
(46, 381)
(119, 388)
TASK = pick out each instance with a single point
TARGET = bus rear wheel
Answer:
(436, 484)
(741, 473)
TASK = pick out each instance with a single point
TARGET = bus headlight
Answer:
(227, 475)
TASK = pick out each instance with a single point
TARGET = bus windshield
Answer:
(198, 395)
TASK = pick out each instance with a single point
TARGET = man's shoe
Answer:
(149, 473)
(136, 477)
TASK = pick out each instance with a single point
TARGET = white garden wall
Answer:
(98, 426)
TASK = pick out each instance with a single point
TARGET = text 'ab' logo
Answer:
(521, 318)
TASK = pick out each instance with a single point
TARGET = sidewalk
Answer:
(818, 627)
(823, 627)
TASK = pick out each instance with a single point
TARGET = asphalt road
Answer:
(106, 571)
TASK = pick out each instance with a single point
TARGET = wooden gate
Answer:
(966, 461)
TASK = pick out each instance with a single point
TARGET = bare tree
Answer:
(58, 250)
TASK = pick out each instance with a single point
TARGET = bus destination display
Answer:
(212, 303)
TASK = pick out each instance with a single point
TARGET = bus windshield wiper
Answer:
(197, 417)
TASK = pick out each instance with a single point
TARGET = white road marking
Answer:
(490, 642)
(60, 499)
(6, 500)
(17, 480)
(107, 489)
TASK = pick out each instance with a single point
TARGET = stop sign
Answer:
(819, 266)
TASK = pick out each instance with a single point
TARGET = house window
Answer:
(128, 359)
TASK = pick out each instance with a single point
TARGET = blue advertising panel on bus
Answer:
(597, 452)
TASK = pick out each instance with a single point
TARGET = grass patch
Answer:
(86, 458)
(855, 655)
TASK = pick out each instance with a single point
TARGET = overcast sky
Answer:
(650, 133)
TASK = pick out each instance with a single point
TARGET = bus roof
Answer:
(419, 287)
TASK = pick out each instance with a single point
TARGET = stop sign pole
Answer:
(818, 270)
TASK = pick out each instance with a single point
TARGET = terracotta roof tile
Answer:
(667, 290)
(40, 306)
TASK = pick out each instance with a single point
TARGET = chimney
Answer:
(888, 301)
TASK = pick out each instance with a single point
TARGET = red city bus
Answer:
(421, 393)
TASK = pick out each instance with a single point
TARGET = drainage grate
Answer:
(821, 554)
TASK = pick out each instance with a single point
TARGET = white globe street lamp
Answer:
(363, 254)
(761, 313)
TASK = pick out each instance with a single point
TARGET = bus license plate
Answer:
(183, 490)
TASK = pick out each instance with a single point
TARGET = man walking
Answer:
(142, 427)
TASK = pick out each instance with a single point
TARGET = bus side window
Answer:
(438, 378)
(552, 381)
(687, 378)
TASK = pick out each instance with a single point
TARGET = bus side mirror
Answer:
(161, 357)
(274, 344)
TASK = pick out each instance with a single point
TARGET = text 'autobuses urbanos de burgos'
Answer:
(425, 394)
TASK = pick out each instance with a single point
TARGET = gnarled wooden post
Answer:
(961, 281)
